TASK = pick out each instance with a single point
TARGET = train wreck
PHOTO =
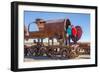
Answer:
(54, 29)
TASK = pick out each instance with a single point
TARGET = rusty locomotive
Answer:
(52, 29)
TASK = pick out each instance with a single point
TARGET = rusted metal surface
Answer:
(50, 29)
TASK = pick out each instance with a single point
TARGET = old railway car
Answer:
(52, 29)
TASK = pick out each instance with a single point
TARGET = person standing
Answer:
(74, 34)
(69, 33)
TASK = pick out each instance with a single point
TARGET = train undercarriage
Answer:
(56, 51)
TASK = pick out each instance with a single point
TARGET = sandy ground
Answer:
(41, 58)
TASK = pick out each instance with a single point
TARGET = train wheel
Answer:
(51, 53)
(42, 51)
(72, 55)
(64, 54)
(25, 51)
(30, 53)
(77, 52)
(34, 50)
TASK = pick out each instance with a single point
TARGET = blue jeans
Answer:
(68, 40)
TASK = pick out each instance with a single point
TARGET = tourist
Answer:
(74, 34)
(69, 33)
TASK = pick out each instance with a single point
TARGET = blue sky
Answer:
(80, 19)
